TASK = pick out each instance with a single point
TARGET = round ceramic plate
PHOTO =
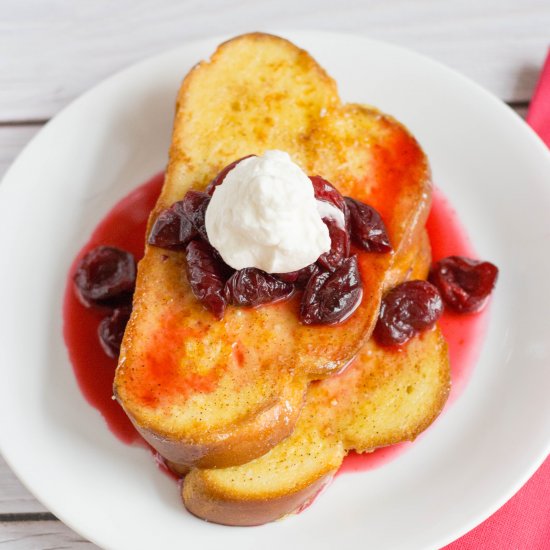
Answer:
(496, 173)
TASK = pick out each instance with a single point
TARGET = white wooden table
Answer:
(51, 52)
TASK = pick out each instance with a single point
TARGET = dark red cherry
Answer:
(221, 175)
(298, 278)
(339, 250)
(330, 298)
(464, 284)
(111, 330)
(106, 276)
(172, 229)
(207, 275)
(254, 287)
(325, 191)
(339, 246)
(367, 228)
(194, 207)
(407, 309)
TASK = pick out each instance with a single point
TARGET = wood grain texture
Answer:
(53, 51)
(14, 498)
(43, 535)
(521, 111)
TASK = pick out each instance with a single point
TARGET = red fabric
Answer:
(538, 116)
(523, 523)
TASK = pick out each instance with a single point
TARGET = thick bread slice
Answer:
(383, 398)
(219, 393)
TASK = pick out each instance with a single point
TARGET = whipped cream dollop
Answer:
(265, 215)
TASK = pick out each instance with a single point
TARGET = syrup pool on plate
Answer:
(124, 227)
(464, 333)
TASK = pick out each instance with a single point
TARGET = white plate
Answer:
(491, 165)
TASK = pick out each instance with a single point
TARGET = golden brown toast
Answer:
(384, 397)
(218, 393)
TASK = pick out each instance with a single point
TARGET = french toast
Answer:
(386, 396)
(211, 393)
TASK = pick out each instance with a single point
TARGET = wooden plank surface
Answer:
(50, 52)
(41, 535)
(14, 498)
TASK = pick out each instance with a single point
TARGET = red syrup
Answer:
(464, 333)
(124, 226)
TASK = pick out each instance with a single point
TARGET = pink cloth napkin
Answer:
(538, 116)
(523, 523)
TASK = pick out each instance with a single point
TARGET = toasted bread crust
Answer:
(204, 502)
(210, 495)
(242, 441)
(178, 378)
(384, 398)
